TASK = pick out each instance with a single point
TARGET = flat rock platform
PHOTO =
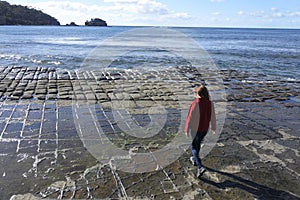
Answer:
(257, 155)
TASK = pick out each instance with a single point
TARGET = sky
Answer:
(182, 13)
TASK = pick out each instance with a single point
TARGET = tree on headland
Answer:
(23, 15)
(96, 22)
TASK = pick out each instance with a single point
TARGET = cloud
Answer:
(241, 13)
(116, 12)
(216, 13)
(273, 9)
(273, 13)
(120, 1)
(293, 14)
(278, 14)
(217, 1)
(272, 17)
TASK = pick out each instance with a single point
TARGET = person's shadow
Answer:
(259, 191)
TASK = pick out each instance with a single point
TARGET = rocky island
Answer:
(23, 15)
(96, 22)
(72, 24)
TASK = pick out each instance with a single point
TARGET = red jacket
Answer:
(200, 114)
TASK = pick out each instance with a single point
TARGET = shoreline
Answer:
(256, 156)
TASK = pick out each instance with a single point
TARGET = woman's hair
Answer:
(202, 92)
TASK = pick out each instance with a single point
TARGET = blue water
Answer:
(275, 53)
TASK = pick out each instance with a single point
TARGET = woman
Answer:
(200, 115)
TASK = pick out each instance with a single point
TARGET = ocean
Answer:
(274, 53)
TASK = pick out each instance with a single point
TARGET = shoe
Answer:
(201, 171)
(193, 161)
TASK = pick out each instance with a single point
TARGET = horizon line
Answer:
(167, 26)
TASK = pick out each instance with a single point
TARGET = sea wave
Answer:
(259, 51)
(69, 41)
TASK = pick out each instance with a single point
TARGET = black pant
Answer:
(197, 138)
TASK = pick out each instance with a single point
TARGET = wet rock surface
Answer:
(42, 155)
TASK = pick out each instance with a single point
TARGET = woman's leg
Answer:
(196, 144)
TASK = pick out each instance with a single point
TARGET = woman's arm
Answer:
(189, 118)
